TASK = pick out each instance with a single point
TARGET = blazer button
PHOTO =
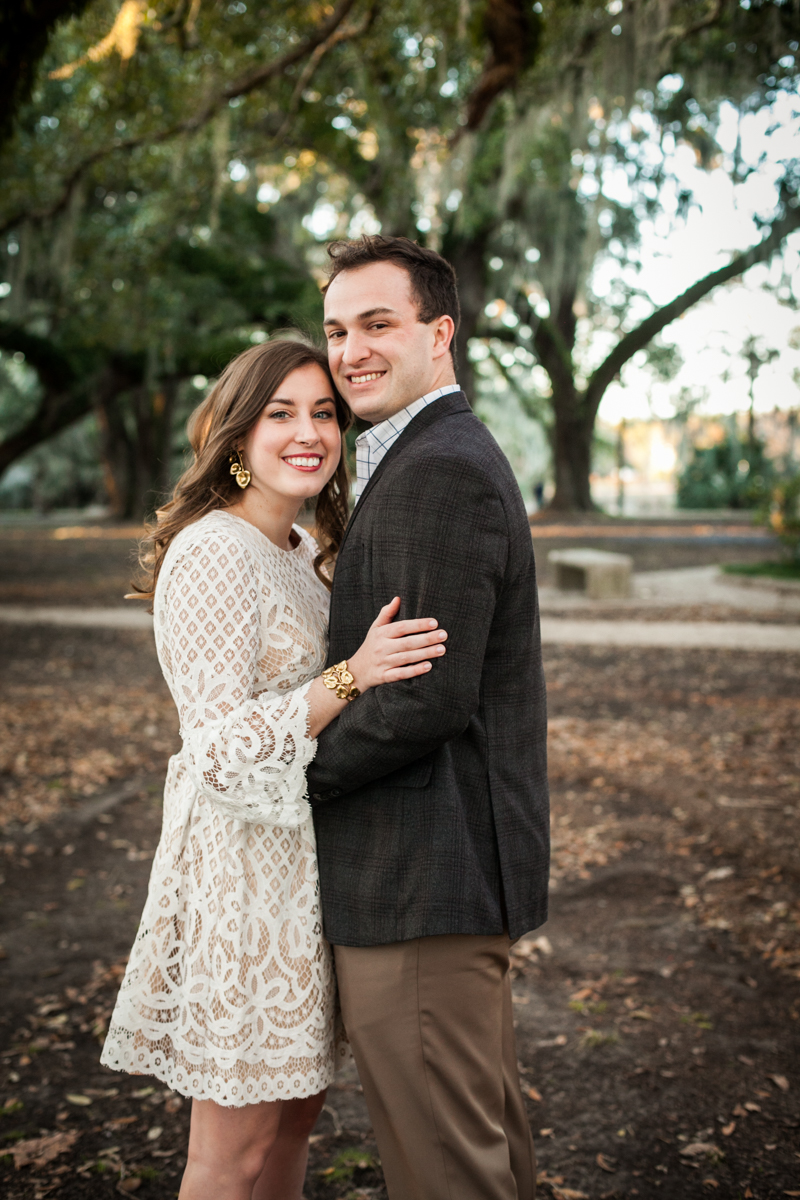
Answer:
(317, 796)
(336, 792)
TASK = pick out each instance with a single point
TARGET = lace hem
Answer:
(233, 1087)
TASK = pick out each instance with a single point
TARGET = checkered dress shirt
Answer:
(375, 443)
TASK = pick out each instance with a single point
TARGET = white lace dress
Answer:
(229, 993)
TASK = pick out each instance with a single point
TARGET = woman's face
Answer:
(295, 445)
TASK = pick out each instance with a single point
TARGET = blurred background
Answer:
(616, 186)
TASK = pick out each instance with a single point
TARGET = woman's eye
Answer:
(279, 413)
(326, 416)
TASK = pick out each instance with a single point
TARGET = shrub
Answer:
(727, 475)
(780, 510)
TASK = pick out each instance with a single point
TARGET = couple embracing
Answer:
(355, 830)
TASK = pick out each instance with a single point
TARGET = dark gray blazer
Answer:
(430, 795)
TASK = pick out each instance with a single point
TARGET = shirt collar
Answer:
(373, 445)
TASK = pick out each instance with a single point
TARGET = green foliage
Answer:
(593, 1039)
(147, 1173)
(780, 510)
(347, 1163)
(729, 474)
(768, 570)
(698, 1019)
(20, 392)
(64, 472)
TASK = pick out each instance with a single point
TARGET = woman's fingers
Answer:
(414, 656)
(388, 612)
(412, 652)
(418, 625)
(397, 673)
(415, 642)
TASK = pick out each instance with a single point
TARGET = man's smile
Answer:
(366, 377)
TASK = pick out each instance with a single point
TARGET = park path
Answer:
(725, 635)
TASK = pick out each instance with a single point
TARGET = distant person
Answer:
(538, 495)
(229, 996)
(430, 795)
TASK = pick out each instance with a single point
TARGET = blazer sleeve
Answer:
(443, 548)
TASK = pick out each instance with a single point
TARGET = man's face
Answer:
(381, 355)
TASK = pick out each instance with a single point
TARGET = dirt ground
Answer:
(658, 1011)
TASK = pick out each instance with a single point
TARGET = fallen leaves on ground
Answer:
(93, 711)
(37, 1152)
(714, 751)
(46, 750)
(695, 1149)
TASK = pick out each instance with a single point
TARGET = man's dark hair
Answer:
(433, 280)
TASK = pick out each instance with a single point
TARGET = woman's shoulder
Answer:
(307, 539)
(215, 535)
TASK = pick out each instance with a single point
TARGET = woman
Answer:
(229, 996)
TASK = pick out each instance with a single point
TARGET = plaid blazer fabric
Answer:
(430, 795)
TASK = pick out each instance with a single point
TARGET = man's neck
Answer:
(446, 379)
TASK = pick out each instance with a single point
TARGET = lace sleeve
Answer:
(246, 753)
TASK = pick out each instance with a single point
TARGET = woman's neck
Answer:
(273, 516)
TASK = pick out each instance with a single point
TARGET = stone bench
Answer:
(598, 573)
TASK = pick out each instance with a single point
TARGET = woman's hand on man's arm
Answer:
(391, 651)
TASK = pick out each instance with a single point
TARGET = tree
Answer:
(25, 28)
(118, 294)
(582, 111)
(491, 133)
(512, 180)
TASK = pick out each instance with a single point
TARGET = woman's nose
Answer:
(307, 433)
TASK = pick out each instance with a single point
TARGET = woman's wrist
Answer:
(358, 670)
(340, 679)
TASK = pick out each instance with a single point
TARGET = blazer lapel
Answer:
(445, 406)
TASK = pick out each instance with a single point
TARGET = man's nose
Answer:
(356, 348)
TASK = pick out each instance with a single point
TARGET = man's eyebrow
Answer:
(365, 316)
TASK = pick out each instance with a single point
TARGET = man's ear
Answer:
(443, 330)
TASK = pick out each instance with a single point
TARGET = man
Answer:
(430, 795)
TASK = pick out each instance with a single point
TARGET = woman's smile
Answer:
(304, 462)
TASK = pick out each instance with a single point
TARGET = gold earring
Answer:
(238, 469)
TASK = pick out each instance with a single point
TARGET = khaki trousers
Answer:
(430, 1023)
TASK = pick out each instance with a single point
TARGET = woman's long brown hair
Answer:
(220, 425)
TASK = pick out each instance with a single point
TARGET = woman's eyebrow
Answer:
(293, 403)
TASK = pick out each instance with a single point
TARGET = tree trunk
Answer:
(116, 452)
(25, 30)
(152, 452)
(468, 257)
(572, 456)
(135, 439)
